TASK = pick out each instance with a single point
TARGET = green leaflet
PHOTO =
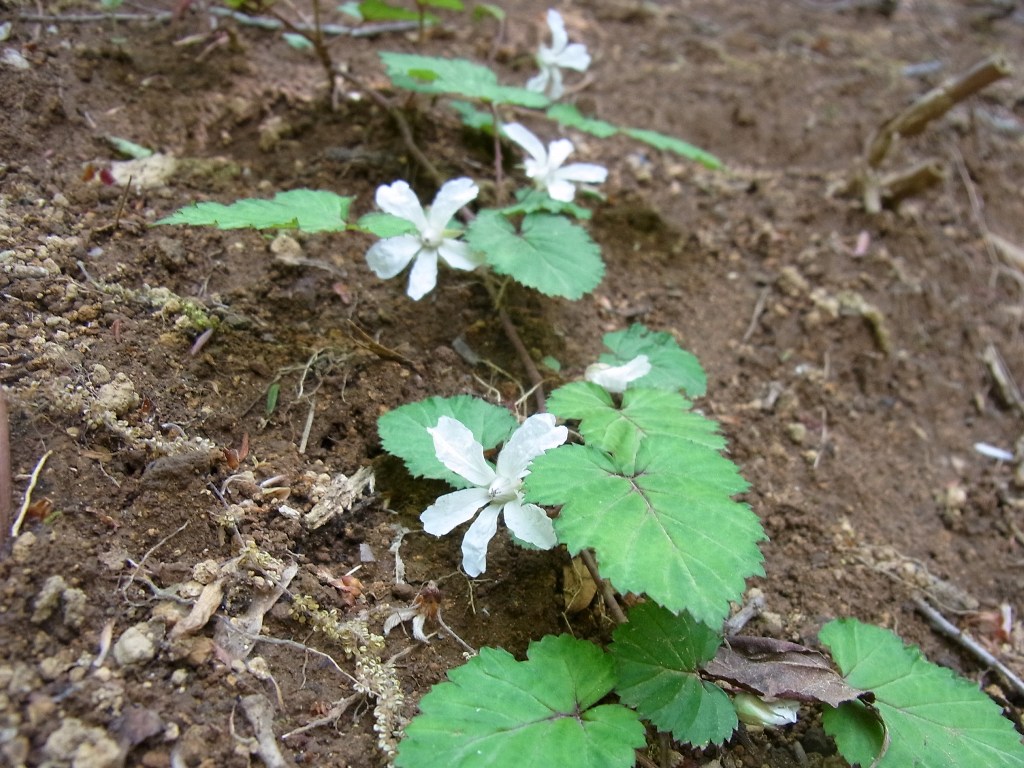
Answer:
(934, 719)
(671, 366)
(403, 431)
(665, 526)
(503, 713)
(658, 657)
(549, 252)
(533, 200)
(455, 77)
(568, 116)
(307, 210)
(384, 224)
(621, 429)
(672, 144)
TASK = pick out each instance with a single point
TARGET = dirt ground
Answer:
(848, 355)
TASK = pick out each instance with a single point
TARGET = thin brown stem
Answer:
(401, 123)
(607, 591)
(499, 173)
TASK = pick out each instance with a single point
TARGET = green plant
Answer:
(644, 495)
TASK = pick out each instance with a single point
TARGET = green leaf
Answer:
(644, 412)
(535, 200)
(488, 9)
(671, 367)
(658, 656)
(378, 10)
(450, 5)
(403, 431)
(549, 253)
(304, 209)
(384, 224)
(934, 718)
(297, 41)
(672, 144)
(665, 526)
(129, 148)
(472, 117)
(498, 712)
(568, 116)
(456, 77)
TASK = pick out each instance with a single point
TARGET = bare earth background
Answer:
(845, 354)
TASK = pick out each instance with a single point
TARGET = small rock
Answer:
(48, 599)
(797, 432)
(135, 645)
(14, 59)
(82, 746)
(118, 396)
(286, 249)
(21, 552)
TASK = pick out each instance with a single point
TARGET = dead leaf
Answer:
(204, 608)
(781, 670)
(578, 587)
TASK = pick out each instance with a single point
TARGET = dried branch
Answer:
(969, 644)
(6, 485)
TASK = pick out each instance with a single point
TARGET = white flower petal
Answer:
(616, 378)
(558, 151)
(390, 256)
(398, 199)
(560, 189)
(539, 83)
(453, 509)
(574, 57)
(474, 545)
(559, 38)
(556, 89)
(459, 255)
(755, 711)
(450, 198)
(423, 276)
(587, 173)
(417, 628)
(529, 523)
(534, 436)
(526, 139)
(457, 449)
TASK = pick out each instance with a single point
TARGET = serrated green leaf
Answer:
(384, 224)
(456, 77)
(503, 713)
(549, 253)
(536, 200)
(403, 431)
(643, 412)
(672, 144)
(934, 718)
(568, 116)
(304, 209)
(129, 148)
(378, 10)
(671, 366)
(658, 656)
(666, 527)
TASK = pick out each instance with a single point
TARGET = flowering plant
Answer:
(546, 169)
(495, 489)
(552, 59)
(643, 491)
(432, 238)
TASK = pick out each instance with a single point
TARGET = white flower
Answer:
(390, 256)
(545, 166)
(496, 489)
(615, 378)
(759, 713)
(559, 56)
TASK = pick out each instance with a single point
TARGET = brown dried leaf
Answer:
(204, 608)
(781, 670)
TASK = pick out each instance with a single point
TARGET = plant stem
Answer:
(499, 176)
(607, 592)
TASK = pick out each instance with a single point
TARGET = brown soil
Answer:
(851, 381)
